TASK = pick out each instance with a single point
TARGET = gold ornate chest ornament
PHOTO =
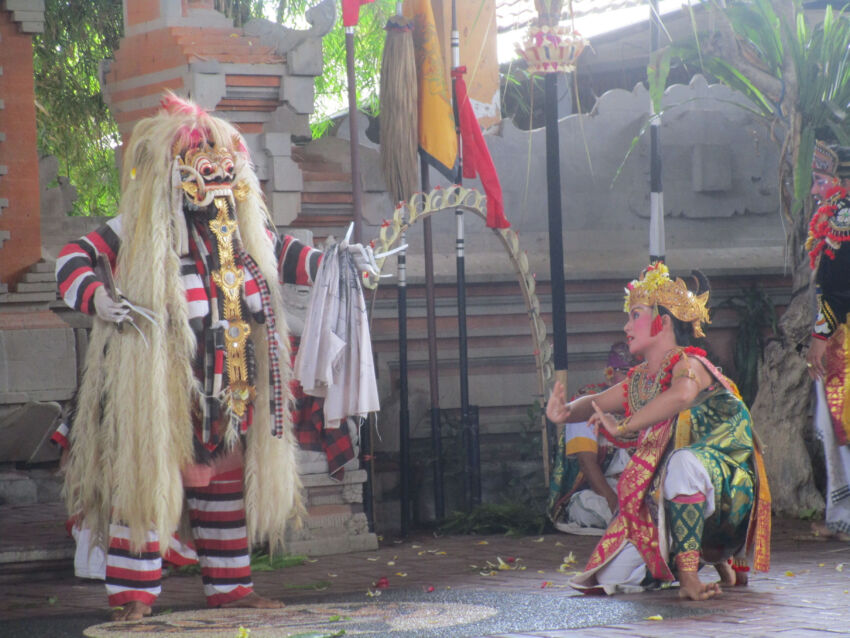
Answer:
(229, 279)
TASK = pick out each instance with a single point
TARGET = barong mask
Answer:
(655, 288)
(206, 173)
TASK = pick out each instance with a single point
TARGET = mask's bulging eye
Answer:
(227, 165)
(204, 166)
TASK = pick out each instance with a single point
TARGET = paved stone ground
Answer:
(806, 593)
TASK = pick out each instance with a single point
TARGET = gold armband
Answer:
(687, 373)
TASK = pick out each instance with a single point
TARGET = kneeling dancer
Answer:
(695, 489)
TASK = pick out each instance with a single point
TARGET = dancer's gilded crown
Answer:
(656, 288)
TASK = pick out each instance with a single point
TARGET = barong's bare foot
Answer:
(134, 610)
(255, 601)
(690, 586)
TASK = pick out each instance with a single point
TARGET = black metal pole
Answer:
(433, 374)
(556, 240)
(354, 136)
(366, 456)
(471, 440)
(657, 248)
(404, 413)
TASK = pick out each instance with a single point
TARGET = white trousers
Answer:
(685, 476)
(837, 459)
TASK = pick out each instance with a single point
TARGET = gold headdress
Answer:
(824, 158)
(656, 288)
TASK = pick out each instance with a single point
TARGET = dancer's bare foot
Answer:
(741, 579)
(255, 601)
(690, 586)
(134, 610)
(726, 573)
(729, 576)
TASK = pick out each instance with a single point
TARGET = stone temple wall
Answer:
(721, 215)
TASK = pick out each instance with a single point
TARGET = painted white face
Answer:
(638, 329)
(822, 183)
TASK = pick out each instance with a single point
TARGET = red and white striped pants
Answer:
(217, 517)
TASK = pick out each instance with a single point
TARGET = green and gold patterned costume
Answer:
(721, 438)
(717, 429)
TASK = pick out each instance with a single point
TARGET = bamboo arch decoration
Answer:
(423, 205)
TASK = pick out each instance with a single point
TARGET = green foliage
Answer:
(512, 519)
(261, 561)
(756, 321)
(75, 125)
(823, 75)
(522, 493)
(241, 11)
(73, 121)
(819, 55)
(813, 91)
(810, 514)
(331, 89)
(657, 73)
(332, 85)
(523, 96)
(194, 569)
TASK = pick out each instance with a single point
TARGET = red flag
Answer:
(351, 11)
(476, 155)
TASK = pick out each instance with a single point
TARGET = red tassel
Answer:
(656, 327)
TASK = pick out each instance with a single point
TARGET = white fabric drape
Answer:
(334, 358)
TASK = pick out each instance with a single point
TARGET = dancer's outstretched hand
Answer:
(557, 408)
(604, 419)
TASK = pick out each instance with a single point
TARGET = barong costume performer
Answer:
(184, 407)
(828, 357)
(695, 488)
(582, 491)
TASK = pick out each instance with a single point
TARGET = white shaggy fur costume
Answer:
(132, 435)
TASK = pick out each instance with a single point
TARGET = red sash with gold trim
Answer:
(634, 522)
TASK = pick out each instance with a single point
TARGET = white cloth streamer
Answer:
(334, 358)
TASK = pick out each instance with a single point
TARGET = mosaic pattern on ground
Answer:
(313, 621)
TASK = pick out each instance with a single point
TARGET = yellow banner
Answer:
(437, 136)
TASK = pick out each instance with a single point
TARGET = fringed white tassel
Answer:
(181, 232)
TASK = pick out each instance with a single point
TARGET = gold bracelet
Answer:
(622, 426)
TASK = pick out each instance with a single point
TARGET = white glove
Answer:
(108, 310)
(364, 259)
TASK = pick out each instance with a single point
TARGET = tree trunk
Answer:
(782, 410)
